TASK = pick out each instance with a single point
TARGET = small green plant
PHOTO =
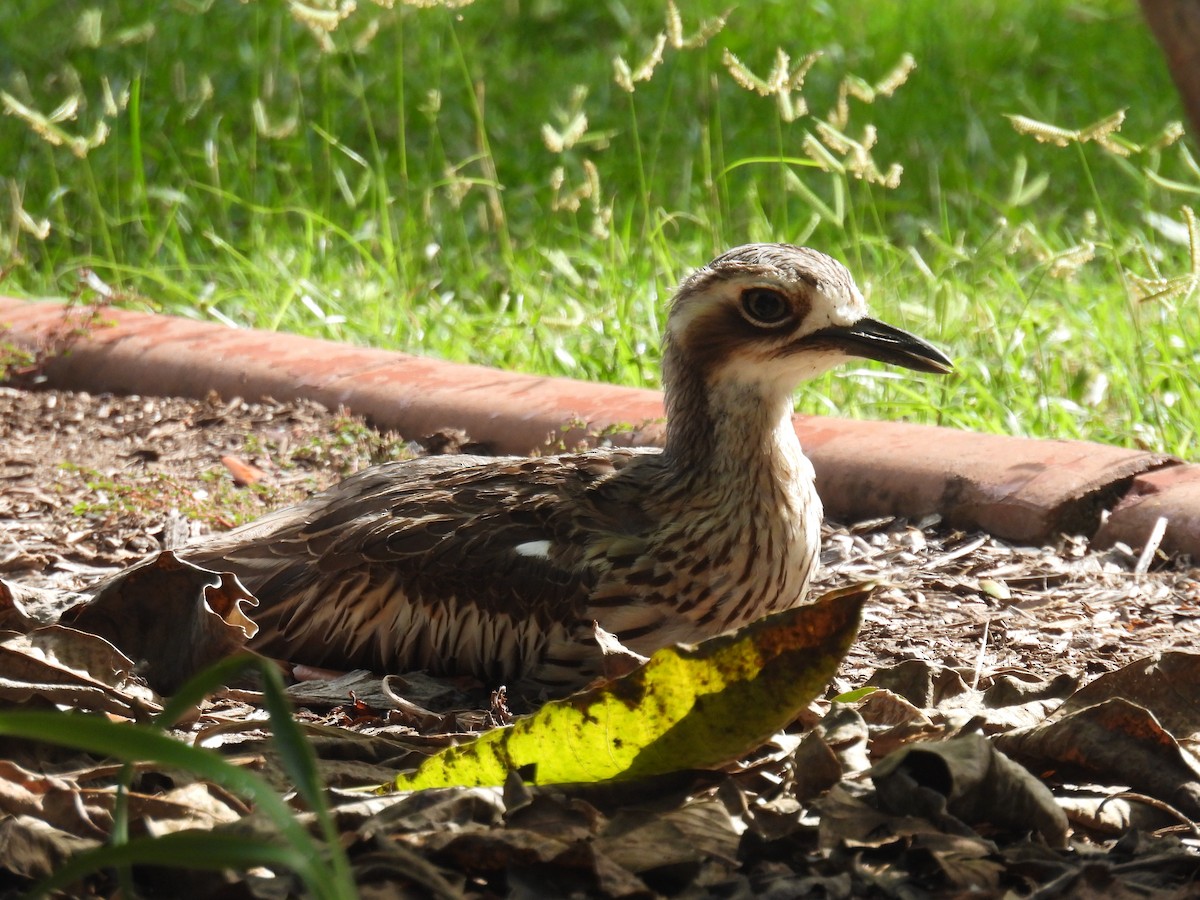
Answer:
(224, 506)
(16, 361)
(321, 864)
(351, 440)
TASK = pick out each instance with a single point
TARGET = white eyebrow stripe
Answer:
(534, 548)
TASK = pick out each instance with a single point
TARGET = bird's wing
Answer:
(453, 564)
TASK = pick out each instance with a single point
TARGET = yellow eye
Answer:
(763, 306)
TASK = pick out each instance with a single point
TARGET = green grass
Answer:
(285, 843)
(387, 182)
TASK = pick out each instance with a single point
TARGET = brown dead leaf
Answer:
(174, 618)
(351, 774)
(243, 473)
(55, 800)
(423, 811)
(575, 823)
(971, 780)
(618, 659)
(816, 767)
(33, 848)
(87, 812)
(23, 607)
(1110, 814)
(921, 683)
(1018, 688)
(494, 850)
(195, 805)
(1008, 699)
(967, 861)
(833, 749)
(850, 823)
(1113, 742)
(1167, 684)
(394, 746)
(884, 708)
(72, 668)
(647, 839)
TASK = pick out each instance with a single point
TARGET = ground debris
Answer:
(1008, 689)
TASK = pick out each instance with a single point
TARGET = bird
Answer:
(500, 567)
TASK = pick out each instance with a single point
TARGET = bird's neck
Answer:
(732, 430)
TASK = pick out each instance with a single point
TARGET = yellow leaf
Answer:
(689, 707)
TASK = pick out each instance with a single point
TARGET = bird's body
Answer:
(498, 567)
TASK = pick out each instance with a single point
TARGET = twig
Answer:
(1152, 542)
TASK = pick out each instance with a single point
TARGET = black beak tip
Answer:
(935, 363)
(872, 339)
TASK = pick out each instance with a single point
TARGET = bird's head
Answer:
(767, 316)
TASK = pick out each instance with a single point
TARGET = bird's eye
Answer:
(763, 306)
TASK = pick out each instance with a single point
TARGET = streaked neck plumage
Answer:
(731, 448)
(726, 427)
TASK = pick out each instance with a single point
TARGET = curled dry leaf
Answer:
(1113, 742)
(618, 659)
(23, 607)
(1167, 684)
(971, 780)
(174, 618)
(834, 748)
(72, 668)
(34, 848)
(849, 823)
(56, 800)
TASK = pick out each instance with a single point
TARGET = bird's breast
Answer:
(726, 554)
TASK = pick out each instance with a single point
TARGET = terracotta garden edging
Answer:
(1016, 488)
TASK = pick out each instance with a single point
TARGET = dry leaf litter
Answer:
(967, 636)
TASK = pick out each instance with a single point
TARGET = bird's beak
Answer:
(872, 339)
